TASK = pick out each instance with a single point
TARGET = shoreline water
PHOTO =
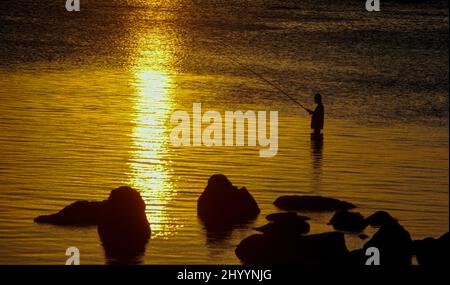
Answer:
(175, 224)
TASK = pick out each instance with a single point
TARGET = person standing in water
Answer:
(317, 116)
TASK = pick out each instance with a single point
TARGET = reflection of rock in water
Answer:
(220, 233)
(217, 233)
(118, 259)
(218, 237)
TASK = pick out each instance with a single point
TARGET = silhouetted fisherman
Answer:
(317, 117)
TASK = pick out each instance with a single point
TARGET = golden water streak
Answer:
(149, 169)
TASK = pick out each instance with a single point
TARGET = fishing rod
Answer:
(276, 87)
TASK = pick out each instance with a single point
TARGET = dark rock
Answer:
(433, 252)
(121, 220)
(318, 249)
(344, 220)
(222, 203)
(123, 226)
(357, 257)
(285, 228)
(311, 203)
(285, 224)
(380, 218)
(298, 228)
(392, 240)
(80, 213)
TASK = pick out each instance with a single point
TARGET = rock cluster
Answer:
(121, 220)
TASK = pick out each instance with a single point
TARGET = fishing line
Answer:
(262, 78)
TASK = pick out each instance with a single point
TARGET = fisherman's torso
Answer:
(317, 118)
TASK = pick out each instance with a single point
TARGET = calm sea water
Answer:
(86, 100)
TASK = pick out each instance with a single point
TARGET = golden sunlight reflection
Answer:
(149, 169)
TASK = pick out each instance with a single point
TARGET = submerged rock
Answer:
(318, 249)
(344, 220)
(79, 213)
(311, 203)
(123, 226)
(222, 203)
(433, 252)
